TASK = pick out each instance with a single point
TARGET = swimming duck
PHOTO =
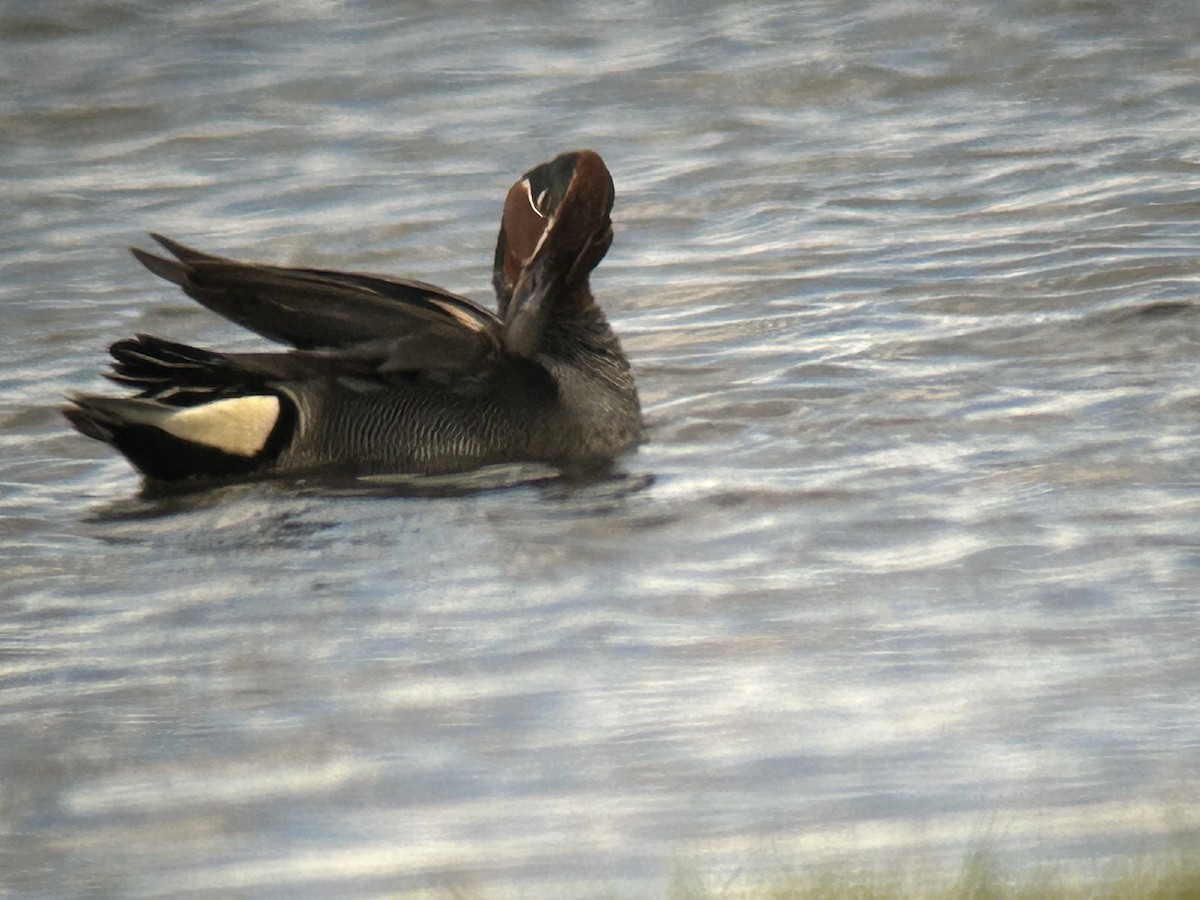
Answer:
(389, 375)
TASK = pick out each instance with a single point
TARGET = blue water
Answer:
(911, 555)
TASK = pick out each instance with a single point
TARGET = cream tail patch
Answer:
(240, 425)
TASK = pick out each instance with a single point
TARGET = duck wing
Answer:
(316, 309)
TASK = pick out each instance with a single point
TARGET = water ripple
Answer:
(911, 545)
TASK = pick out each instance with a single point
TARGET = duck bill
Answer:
(545, 282)
(535, 292)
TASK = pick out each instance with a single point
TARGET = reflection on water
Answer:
(910, 554)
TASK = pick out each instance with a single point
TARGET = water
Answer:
(910, 557)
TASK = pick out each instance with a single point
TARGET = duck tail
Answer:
(173, 373)
(195, 413)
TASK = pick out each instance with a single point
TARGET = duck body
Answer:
(389, 375)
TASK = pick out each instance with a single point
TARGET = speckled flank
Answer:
(591, 414)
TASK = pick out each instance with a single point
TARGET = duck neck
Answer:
(578, 327)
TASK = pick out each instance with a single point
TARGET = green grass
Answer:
(980, 878)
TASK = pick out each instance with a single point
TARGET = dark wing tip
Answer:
(172, 271)
(182, 252)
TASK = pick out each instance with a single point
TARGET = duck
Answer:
(387, 375)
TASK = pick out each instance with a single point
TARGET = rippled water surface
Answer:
(912, 553)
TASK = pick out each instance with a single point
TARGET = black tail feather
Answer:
(174, 373)
(88, 419)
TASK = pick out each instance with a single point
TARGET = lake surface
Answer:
(910, 559)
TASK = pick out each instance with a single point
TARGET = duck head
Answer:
(555, 229)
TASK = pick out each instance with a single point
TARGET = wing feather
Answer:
(318, 309)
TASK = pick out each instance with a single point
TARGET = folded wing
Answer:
(314, 309)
